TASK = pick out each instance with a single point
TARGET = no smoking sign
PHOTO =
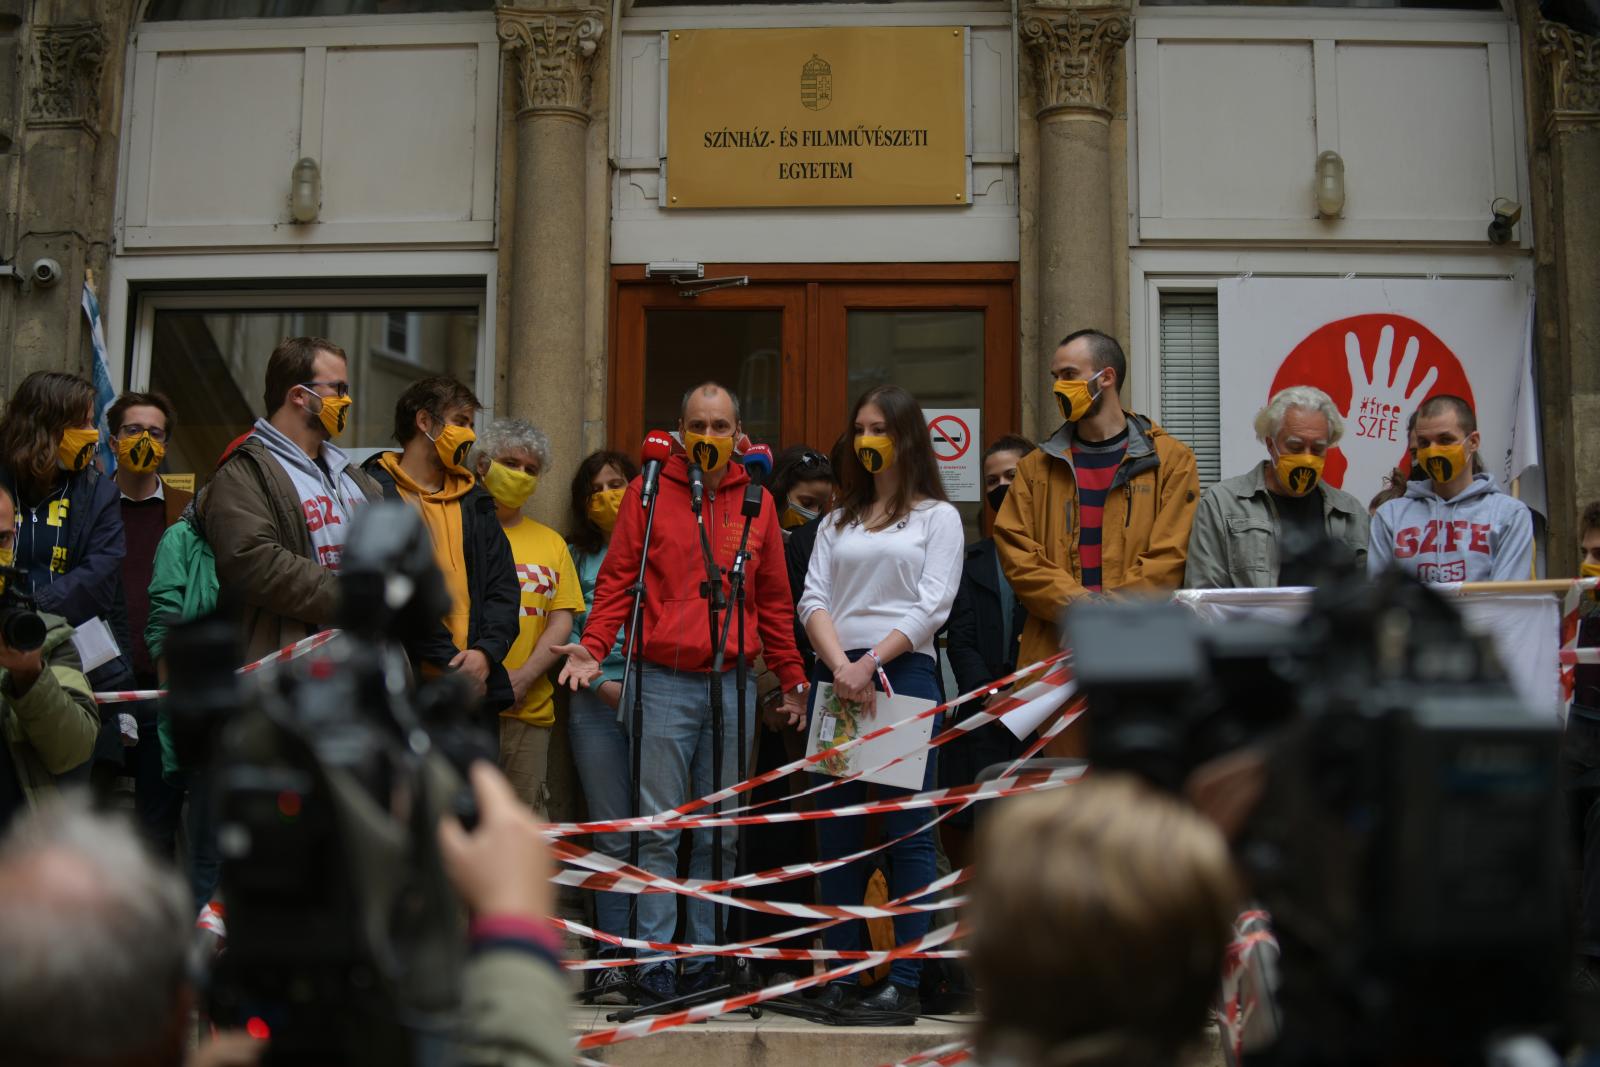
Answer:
(954, 431)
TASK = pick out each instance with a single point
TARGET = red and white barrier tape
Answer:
(562, 829)
(283, 655)
(809, 869)
(1585, 656)
(678, 950)
(1059, 681)
(938, 1056)
(658, 1023)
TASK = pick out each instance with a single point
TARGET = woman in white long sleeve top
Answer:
(882, 579)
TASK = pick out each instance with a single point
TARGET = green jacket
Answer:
(183, 586)
(51, 728)
(1234, 541)
(515, 1008)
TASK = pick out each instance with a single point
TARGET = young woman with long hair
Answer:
(882, 579)
(599, 741)
(69, 524)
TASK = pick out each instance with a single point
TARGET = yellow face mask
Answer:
(510, 488)
(1589, 570)
(1074, 398)
(334, 414)
(1299, 472)
(140, 454)
(875, 452)
(711, 453)
(605, 506)
(795, 516)
(8, 556)
(1443, 462)
(453, 443)
(77, 448)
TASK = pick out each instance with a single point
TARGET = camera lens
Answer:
(20, 628)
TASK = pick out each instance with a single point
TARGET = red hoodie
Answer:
(675, 629)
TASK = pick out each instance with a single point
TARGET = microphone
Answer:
(697, 487)
(758, 463)
(657, 447)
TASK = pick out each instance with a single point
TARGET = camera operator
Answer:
(1099, 916)
(94, 940)
(47, 710)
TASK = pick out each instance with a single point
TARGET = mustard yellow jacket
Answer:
(1144, 531)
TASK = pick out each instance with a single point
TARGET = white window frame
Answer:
(241, 281)
(1153, 272)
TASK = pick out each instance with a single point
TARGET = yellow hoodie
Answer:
(441, 513)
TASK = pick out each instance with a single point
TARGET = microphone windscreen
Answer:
(657, 447)
(758, 458)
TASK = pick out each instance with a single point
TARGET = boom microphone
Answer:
(657, 447)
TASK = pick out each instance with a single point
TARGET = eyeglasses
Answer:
(133, 429)
(812, 461)
(339, 388)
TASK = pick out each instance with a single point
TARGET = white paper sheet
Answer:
(833, 722)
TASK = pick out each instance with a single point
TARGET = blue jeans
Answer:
(675, 767)
(600, 750)
(911, 862)
(205, 862)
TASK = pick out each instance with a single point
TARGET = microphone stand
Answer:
(736, 971)
(633, 685)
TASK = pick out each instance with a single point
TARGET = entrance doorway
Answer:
(801, 342)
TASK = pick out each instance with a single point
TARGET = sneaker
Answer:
(656, 984)
(611, 987)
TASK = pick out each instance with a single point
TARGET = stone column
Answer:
(553, 52)
(56, 171)
(1567, 215)
(1074, 53)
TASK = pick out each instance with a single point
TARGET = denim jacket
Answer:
(1234, 541)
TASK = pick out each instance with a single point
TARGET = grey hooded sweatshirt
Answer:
(1482, 535)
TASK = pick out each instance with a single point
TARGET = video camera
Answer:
(345, 939)
(1407, 839)
(21, 627)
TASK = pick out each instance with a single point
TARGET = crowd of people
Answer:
(857, 573)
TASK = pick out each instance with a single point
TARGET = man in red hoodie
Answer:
(677, 739)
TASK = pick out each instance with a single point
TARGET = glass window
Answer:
(212, 365)
(937, 355)
(741, 349)
(1191, 396)
(171, 10)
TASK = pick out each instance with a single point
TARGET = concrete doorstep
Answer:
(781, 1041)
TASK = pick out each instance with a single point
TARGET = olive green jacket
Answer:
(1234, 541)
(51, 728)
(515, 1007)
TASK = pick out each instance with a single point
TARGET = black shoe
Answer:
(888, 1005)
(705, 978)
(656, 983)
(837, 997)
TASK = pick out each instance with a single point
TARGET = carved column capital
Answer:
(1075, 55)
(68, 61)
(1572, 63)
(554, 52)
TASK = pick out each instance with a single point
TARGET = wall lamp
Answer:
(1330, 185)
(305, 191)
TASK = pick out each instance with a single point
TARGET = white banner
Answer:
(1525, 630)
(1379, 348)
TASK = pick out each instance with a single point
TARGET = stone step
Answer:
(780, 1041)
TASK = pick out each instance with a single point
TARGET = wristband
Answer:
(883, 679)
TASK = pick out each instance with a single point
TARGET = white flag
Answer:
(1522, 457)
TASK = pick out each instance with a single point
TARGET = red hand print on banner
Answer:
(1353, 361)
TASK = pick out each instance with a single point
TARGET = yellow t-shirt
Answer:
(549, 583)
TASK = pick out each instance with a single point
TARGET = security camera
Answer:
(1506, 214)
(44, 273)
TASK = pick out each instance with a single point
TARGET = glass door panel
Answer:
(741, 349)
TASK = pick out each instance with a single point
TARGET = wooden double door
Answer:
(801, 342)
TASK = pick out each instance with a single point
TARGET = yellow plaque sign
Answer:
(870, 115)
